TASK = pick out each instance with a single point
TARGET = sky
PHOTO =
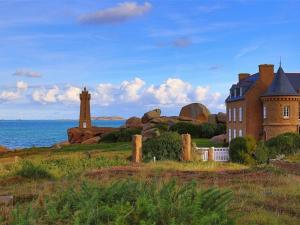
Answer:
(135, 56)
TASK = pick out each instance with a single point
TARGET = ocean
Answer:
(41, 133)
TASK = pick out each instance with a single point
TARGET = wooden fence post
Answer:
(186, 147)
(137, 148)
(211, 153)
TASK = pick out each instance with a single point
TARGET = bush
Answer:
(130, 202)
(29, 170)
(288, 143)
(165, 147)
(261, 153)
(221, 129)
(123, 135)
(205, 130)
(187, 128)
(208, 130)
(242, 149)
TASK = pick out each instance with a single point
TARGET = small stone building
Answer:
(264, 105)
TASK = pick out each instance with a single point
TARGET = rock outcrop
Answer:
(221, 117)
(94, 140)
(78, 135)
(134, 122)
(219, 139)
(3, 149)
(195, 111)
(151, 115)
(60, 145)
(212, 118)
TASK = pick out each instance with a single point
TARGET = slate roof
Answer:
(289, 80)
(281, 85)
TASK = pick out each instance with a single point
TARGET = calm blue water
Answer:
(28, 133)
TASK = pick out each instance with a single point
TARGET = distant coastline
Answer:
(113, 118)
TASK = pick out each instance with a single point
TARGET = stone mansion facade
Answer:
(264, 104)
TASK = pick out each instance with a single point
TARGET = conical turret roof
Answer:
(280, 85)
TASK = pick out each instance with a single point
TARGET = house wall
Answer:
(275, 123)
(237, 125)
(254, 114)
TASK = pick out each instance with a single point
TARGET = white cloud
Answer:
(246, 51)
(130, 90)
(201, 93)
(46, 96)
(22, 86)
(71, 94)
(104, 94)
(172, 91)
(27, 73)
(11, 95)
(117, 14)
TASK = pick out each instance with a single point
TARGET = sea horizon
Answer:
(19, 134)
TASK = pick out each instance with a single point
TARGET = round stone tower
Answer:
(280, 107)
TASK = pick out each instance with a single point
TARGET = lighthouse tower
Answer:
(85, 112)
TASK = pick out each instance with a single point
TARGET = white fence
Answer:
(219, 154)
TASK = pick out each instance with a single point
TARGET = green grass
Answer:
(203, 142)
(294, 158)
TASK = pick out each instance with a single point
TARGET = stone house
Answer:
(264, 104)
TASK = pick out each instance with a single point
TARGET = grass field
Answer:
(263, 195)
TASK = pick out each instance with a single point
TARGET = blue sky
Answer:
(136, 55)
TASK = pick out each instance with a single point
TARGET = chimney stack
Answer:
(243, 76)
(266, 73)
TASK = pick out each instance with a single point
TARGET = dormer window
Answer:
(286, 112)
(241, 91)
(235, 92)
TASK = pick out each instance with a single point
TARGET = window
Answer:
(234, 114)
(84, 125)
(265, 112)
(240, 114)
(286, 112)
(234, 133)
(240, 133)
(229, 114)
(235, 92)
(241, 91)
(229, 135)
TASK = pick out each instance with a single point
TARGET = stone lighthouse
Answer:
(85, 112)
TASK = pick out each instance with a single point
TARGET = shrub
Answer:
(123, 135)
(261, 153)
(162, 127)
(131, 202)
(187, 128)
(208, 130)
(288, 143)
(242, 149)
(220, 129)
(29, 170)
(165, 147)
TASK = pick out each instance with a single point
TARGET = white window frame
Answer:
(265, 112)
(240, 114)
(234, 114)
(229, 114)
(241, 91)
(240, 133)
(286, 112)
(229, 135)
(234, 133)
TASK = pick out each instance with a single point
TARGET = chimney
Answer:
(266, 73)
(243, 76)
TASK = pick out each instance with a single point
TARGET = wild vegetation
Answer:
(76, 179)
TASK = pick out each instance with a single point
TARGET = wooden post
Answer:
(137, 148)
(211, 153)
(186, 147)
